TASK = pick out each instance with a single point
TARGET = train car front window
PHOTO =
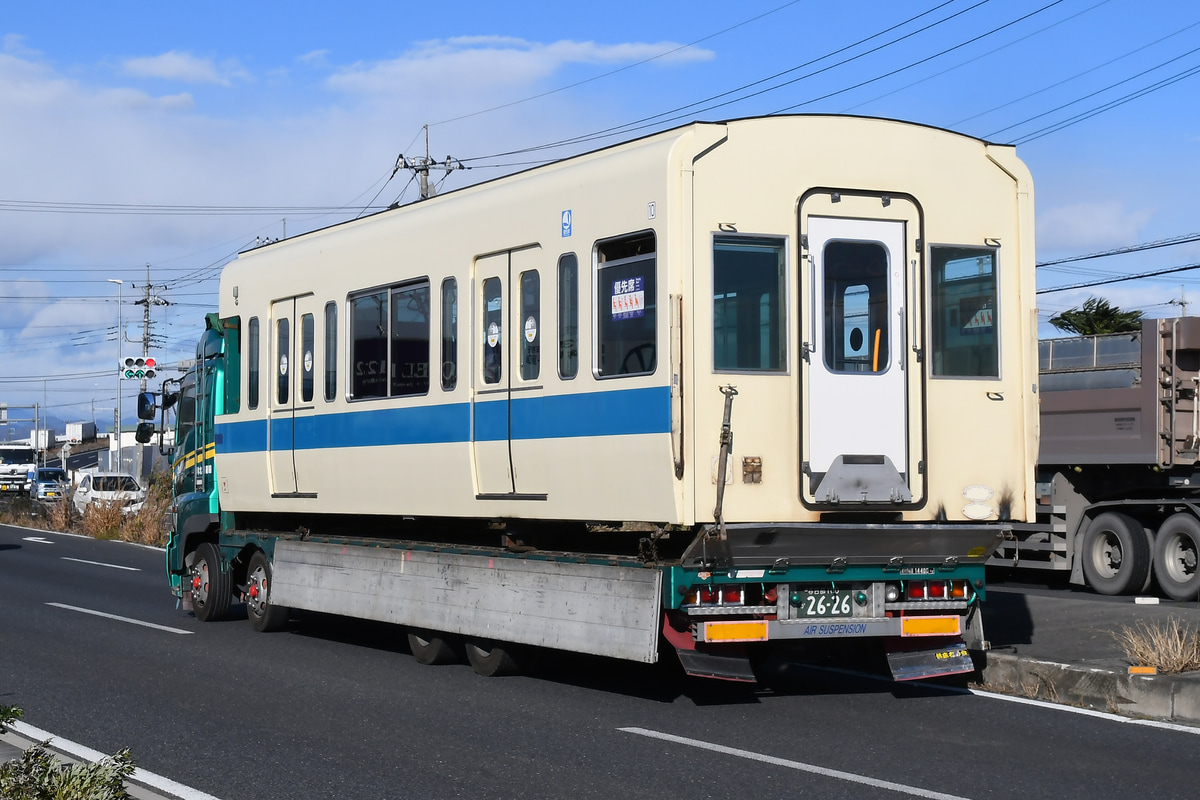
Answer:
(626, 307)
(307, 357)
(748, 304)
(283, 343)
(964, 336)
(493, 326)
(855, 298)
(368, 347)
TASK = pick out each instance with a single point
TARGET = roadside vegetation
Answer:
(1170, 647)
(102, 520)
(38, 775)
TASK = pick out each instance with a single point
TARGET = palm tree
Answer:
(1097, 317)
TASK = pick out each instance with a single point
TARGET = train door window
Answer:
(283, 343)
(568, 316)
(368, 345)
(748, 304)
(410, 340)
(964, 339)
(626, 306)
(855, 298)
(493, 319)
(449, 334)
(531, 291)
(307, 357)
(252, 364)
(331, 319)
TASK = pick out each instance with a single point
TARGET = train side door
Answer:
(856, 417)
(292, 389)
(508, 380)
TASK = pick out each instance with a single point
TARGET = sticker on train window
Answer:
(628, 298)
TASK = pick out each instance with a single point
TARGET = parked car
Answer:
(110, 487)
(49, 483)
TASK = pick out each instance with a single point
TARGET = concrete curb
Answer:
(1103, 687)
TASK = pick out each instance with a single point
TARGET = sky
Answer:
(176, 134)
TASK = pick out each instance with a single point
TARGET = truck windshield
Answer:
(22, 455)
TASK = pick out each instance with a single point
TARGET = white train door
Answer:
(856, 416)
(506, 438)
(292, 388)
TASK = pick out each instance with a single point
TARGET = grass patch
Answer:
(1170, 646)
(38, 775)
(103, 520)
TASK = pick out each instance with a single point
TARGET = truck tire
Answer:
(430, 648)
(264, 615)
(1116, 554)
(490, 659)
(212, 590)
(1176, 549)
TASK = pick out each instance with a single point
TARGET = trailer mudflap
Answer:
(910, 661)
(728, 665)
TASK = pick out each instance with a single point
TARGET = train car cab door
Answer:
(292, 388)
(859, 386)
(506, 410)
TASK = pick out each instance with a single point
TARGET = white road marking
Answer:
(84, 753)
(797, 765)
(119, 619)
(1087, 712)
(100, 564)
(37, 539)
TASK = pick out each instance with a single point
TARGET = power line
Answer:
(1120, 279)
(1137, 248)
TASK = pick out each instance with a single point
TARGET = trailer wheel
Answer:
(490, 659)
(263, 614)
(1116, 555)
(429, 648)
(212, 590)
(1176, 549)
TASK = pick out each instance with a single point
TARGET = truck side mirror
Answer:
(169, 399)
(145, 406)
(145, 430)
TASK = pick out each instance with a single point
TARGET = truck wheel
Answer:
(211, 588)
(490, 659)
(263, 614)
(1116, 555)
(1176, 548)
(429, 648)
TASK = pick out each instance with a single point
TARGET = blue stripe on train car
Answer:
(607, 413)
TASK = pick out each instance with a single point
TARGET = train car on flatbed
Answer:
(727, 386)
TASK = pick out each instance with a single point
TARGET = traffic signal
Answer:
(138, 368)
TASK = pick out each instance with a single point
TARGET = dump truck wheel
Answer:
(264, 615)
(430, 648)
(1116, 555)
(1176, 549)
(491, 659)
(212, 590)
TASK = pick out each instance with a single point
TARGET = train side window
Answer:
(963, 299)
(626, 306)
(748, 304)
(331, 321)
(855, 298)
(531, 345)
(283, 343)
(368, 345)
(410, 340)
(252, 363)
(449, 334)
(308, 335)
(493, 340)
(568, 316)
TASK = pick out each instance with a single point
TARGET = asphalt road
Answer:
(333, 708)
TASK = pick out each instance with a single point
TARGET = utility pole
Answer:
(1182, 302)
(420, 166)
(148, 299)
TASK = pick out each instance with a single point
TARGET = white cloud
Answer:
(1089, 226)
(177, 66)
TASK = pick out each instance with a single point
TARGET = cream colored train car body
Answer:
(865, 285)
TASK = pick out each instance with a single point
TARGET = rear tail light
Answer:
(730, 594)
(935, 590)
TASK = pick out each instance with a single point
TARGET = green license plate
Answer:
(825, 603)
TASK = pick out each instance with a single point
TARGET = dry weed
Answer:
(1169, 646)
